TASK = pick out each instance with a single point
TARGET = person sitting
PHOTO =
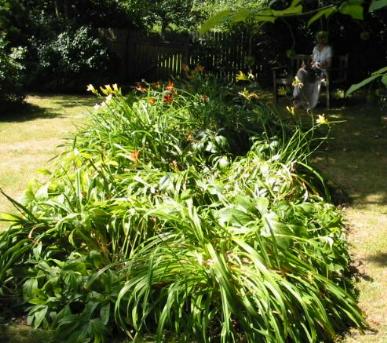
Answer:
(312, 73)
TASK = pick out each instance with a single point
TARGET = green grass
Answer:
(356, 160)
(30, 135)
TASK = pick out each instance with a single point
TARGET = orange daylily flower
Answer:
(151, 101)
(168, 98)
(170, 86)
(133, 156)
(199, 68)
(140, 88)
(204, 98)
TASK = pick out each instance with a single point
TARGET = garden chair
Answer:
(283, 76)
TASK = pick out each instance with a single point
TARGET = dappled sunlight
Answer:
(355, 156)
(356, 160)
(377, 198)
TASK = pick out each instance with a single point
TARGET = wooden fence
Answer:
(151, 57)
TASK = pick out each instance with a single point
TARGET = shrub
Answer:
(70, 59)
(11, 72)
(153, 224)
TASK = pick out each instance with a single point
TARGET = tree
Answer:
(317, 11)
(164, 14)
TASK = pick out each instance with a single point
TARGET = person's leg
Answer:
(300, 80)
(313, 93)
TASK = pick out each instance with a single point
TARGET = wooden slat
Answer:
(220, 52)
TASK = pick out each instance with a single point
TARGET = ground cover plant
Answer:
(160, 219)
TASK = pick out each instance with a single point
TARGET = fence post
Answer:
(186, 54)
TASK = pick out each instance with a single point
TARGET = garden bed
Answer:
(162, 209)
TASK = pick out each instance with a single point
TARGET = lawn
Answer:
(355, 160)
(29, 138)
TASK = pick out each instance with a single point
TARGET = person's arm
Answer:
(314, 56)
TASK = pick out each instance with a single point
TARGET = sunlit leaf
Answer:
(240, 15)
(374, 76)
(326, 12)
(377, 5)
(353, 8)
(215, 20)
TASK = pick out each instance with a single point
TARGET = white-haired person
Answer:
(309, 77)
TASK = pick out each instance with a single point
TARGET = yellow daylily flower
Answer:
(297, 82)
(322, 120)
(241, 76)
(90, 88)
(247, 95)
(107, 90)
(291, 110)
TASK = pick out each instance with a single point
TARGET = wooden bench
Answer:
(283, 76)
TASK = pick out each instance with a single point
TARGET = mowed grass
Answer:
(356, 160)
(30, 135)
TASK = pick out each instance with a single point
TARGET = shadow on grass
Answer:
(53, 108)
(357, 271)
(23, 112)
(355, 156)
(69, 101)
(380, 259)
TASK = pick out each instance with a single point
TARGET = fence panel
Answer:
(150, 57)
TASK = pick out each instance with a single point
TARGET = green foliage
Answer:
(11, 72)
(261, 14)
(379, 74)
(353, 8)
(73, 56)
(61, 37)
(155, 223)
(377, 5)
(167, 14)
(326, 12)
